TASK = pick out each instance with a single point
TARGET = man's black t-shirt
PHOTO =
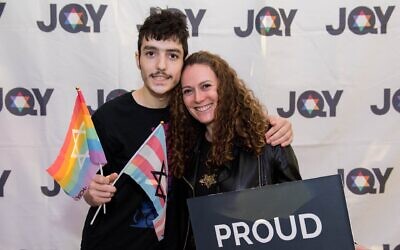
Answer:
(122, 126)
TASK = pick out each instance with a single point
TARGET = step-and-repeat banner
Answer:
(331, 67)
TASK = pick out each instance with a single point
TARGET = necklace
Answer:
(208, 180)
(208, 174)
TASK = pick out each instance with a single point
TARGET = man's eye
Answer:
(149, 53)
(174, 56)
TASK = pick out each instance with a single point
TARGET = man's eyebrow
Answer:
(175, 50)
(149, 47)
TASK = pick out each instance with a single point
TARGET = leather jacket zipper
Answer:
(260, 173)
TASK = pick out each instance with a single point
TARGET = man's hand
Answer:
(100, 190)
(280, 132)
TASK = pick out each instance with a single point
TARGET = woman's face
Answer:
(199, 90)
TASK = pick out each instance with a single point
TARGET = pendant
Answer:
(208, 180)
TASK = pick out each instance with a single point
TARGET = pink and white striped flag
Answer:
(149, 168)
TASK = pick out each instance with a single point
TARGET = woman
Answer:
(218, 133)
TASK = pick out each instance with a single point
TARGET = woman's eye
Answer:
(205, 86)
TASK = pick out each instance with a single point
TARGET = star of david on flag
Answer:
(81, 155)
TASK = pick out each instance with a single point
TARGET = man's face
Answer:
(160, 64)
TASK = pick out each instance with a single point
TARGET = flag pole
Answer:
(122, 171)
(104, 205)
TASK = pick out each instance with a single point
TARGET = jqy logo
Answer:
(268, 22)
(362, 20)
(74, 18)
(311, 104)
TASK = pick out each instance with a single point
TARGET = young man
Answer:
(125, 122)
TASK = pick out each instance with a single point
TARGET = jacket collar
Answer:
(191, 169)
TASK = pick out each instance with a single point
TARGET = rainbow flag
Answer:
(81, 155)
(149, 168)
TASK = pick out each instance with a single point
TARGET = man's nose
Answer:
(161, 63)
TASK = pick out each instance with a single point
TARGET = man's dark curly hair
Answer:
(163, 25)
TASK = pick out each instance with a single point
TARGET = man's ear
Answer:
(137, 58)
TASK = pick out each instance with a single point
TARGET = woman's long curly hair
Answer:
(239, 118)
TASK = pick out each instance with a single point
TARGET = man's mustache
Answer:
(160, 74)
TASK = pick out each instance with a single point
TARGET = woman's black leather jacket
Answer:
(276, 164)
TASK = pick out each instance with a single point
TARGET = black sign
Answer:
(309, 214)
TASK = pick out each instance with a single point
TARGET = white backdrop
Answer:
(331, 67)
